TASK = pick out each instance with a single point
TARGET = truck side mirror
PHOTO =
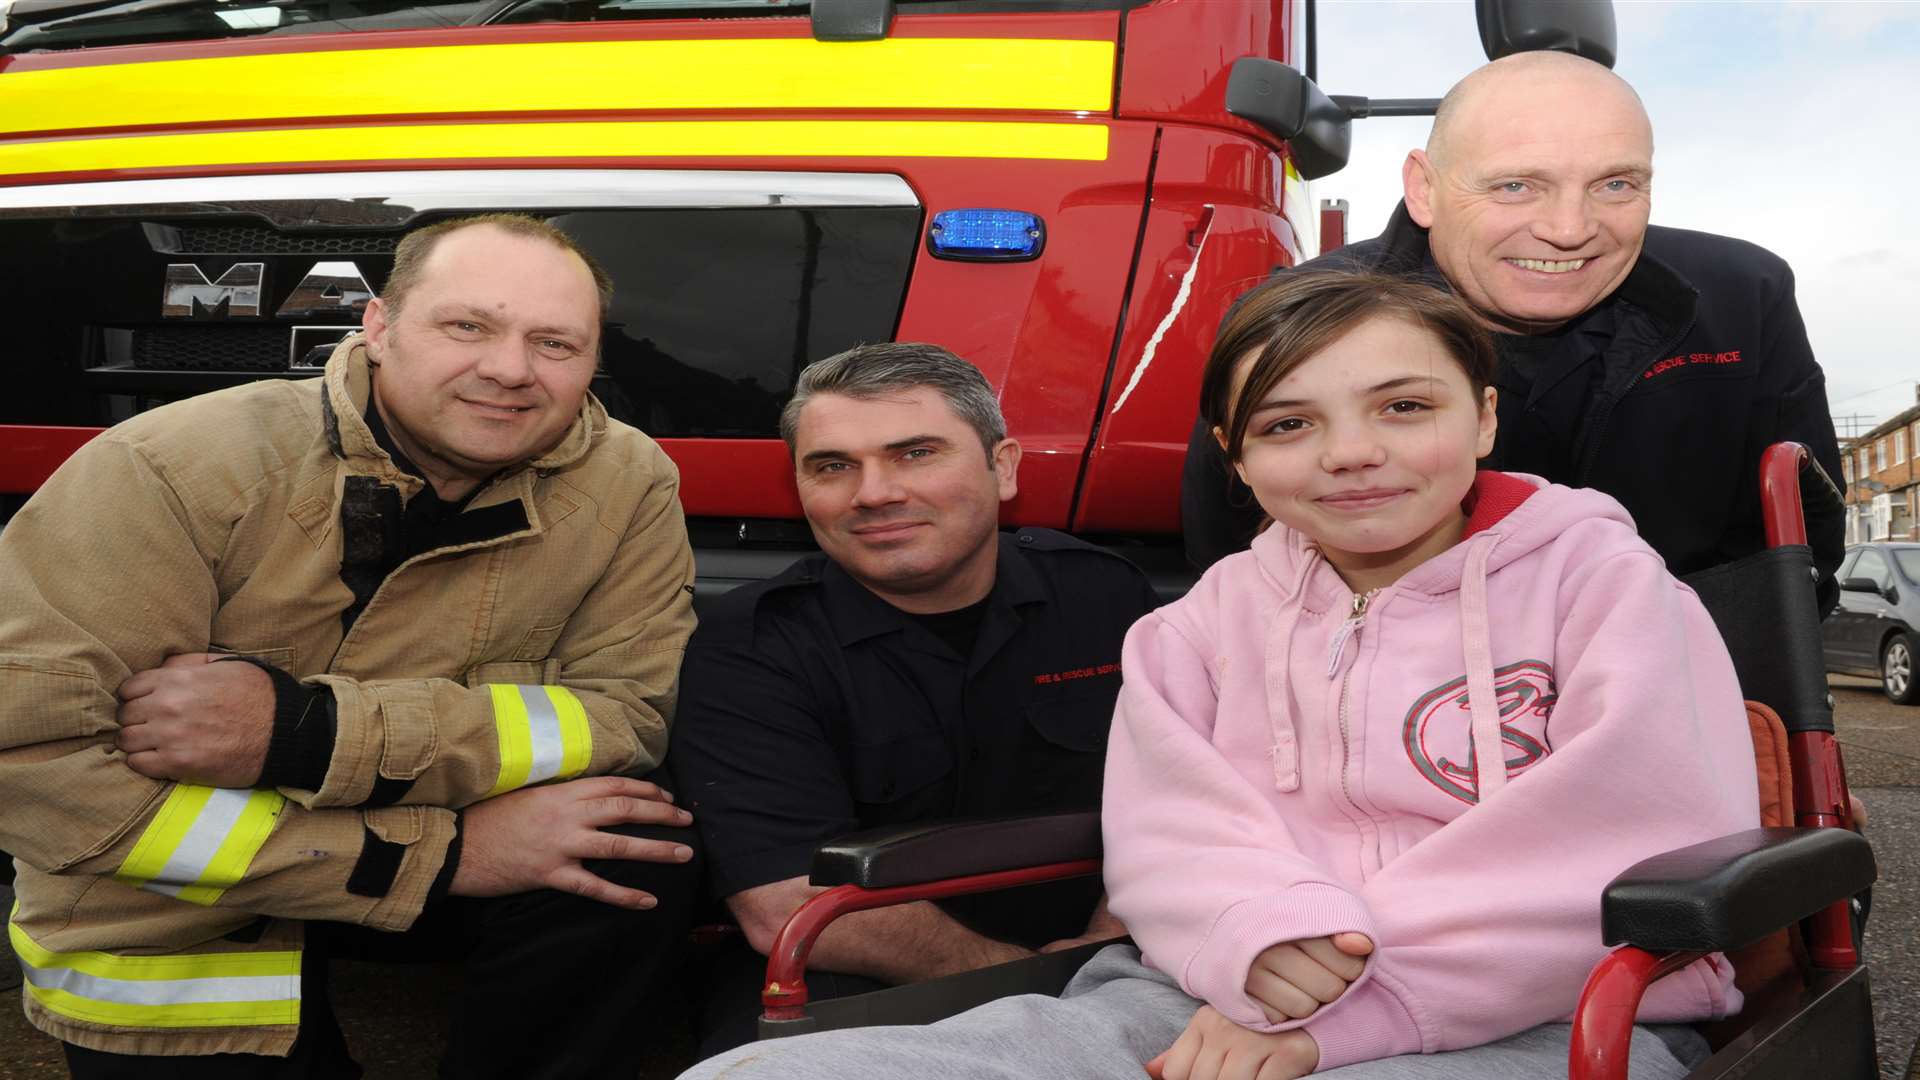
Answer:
(1285, 102)
(1582, 27)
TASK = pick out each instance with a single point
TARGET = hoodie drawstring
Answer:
(1280, 707)
(1489, 751)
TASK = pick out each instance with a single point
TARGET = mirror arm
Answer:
(1360, 108)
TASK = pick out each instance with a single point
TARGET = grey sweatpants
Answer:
(1116, 1015)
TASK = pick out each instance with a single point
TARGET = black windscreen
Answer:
(715, 310)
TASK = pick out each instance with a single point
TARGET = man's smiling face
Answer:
(486, 362)
(902, 494)
(1537, 191)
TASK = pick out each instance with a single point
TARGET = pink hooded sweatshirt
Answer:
(1290, 761)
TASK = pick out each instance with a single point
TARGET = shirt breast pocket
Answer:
(1066, 749)
(895, 780)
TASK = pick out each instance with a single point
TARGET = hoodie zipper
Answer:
(1356, 618)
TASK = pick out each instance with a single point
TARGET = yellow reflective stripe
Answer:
(176, 1015)
(230, 861)
(548, 141)
(576, 735)
(510, 725)
(173, 991)
(543, 734)
(163, 834)
(1049, 75)
(201, 842)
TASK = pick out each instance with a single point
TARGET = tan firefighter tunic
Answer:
(542, 641)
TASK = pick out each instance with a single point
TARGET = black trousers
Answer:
(552, 985)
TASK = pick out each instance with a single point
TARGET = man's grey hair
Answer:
(871, 371)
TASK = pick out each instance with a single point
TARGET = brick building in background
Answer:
(1882, 479)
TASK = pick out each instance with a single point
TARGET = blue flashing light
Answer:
(986, 235)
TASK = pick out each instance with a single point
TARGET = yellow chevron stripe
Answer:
(511, 141)
(530, 77)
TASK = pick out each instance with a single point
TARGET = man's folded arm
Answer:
(599, 704)
(256, 851)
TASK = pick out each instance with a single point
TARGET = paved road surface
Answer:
(1881, 744)
(393, 1015)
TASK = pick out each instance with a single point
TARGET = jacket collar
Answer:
(858, 614)
(1652, 285)
(502, 510)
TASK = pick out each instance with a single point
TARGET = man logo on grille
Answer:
(330, 288)
(1441, 722)
(189, 295)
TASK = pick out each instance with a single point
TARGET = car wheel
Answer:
(1896, 671)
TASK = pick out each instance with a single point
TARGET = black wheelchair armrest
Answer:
(934, 851)
(1734, 890)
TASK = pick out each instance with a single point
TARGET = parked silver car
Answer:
(1872, 633)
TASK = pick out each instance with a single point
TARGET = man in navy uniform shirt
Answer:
(923, 666)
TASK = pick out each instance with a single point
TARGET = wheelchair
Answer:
(1781, 900)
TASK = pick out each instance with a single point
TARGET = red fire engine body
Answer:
(1159, 207)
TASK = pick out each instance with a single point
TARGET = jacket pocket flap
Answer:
(538, 643)
(397, 824)
(410, 736)
(281, 658)
(513, 672)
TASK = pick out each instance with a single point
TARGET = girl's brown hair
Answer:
(1294, 315)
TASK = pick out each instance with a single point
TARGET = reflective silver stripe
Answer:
(165, 991)
(543, 729)
(202, 842)
(383, 199)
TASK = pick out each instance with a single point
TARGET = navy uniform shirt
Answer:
(811, 708)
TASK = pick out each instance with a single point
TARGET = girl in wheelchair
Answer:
(1367, 780)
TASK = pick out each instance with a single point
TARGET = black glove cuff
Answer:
(443, 881)
(304, 724)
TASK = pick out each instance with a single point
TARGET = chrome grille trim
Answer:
(393, 199)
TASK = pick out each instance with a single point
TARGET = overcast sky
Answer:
(1792, 124)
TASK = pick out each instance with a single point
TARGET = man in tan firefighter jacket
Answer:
(455, 594)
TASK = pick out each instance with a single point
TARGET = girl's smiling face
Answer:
(1368, 447)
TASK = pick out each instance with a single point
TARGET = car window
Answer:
(1873, 566)
(1909, 562)
(1846, 564)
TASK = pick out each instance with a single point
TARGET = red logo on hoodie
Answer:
(1438, 733)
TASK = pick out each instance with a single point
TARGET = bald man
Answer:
(1655, 364)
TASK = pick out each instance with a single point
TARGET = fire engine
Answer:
(1068, 193)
